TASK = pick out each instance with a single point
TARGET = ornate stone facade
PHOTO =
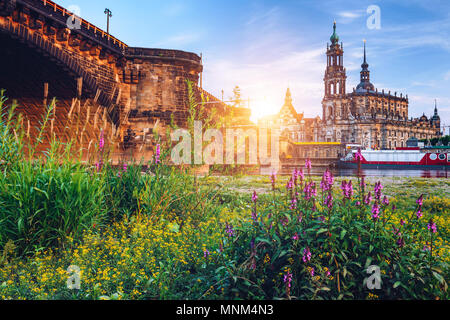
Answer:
(292, 124)
(367, 116)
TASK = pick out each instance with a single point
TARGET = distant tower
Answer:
(288, 98)
(335, 77)
(288, 112)
(365, 84)
(435, 119)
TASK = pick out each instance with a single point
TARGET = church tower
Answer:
(435, 119)
(365, 85)
(335, 77)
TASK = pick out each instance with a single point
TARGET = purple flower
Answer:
(308, 164)
(254, 197)
(377, 191)
(295, 176)
(385, 201)
(288, 279)
(432, 226)
(419, 213)
(402, 222)
(99, 165)
(368, 199)
(290, 184)
(206, 253)
(229, 229)
(293, 204)
(306, 255)
(295, 237)
(362, 184)
(125, 167)
(375, 211)
(327, 181)
(101, 142)
(301, 175)
(358, 203)
(158, 153)
(347, 189)
(419, 201)
(254, 216)
(358, 156)
(273, 179)
(312, 272)
(329, 201)
(310, 190)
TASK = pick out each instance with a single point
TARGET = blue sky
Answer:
(266, 46)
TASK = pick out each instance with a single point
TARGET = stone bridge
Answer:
(99, 81)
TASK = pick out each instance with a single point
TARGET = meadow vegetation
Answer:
(163, 233)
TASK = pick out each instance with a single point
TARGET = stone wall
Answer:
(138, 89)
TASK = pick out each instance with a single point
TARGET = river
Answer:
(386, 173)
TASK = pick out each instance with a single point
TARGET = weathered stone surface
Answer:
(138, 87)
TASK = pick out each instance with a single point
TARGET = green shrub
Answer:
(46, 198)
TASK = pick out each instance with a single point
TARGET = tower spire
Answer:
(365, 51)
(365, 85)
(334, 37)
(365, 65)
(288, 98)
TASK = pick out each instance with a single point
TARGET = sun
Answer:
(263, 107)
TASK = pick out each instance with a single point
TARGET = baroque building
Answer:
(291, 124)
(367, 116)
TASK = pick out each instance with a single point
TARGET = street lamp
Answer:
(108, 15)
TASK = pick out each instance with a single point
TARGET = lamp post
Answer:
(108, 15)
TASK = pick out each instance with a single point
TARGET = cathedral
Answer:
(367, 116)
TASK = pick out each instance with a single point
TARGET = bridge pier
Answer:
(132, 90)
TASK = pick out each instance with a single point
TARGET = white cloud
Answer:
(345, 17)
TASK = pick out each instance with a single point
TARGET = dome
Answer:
(436, 118)
(365, 86)
(334, 37)
(423, 118)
